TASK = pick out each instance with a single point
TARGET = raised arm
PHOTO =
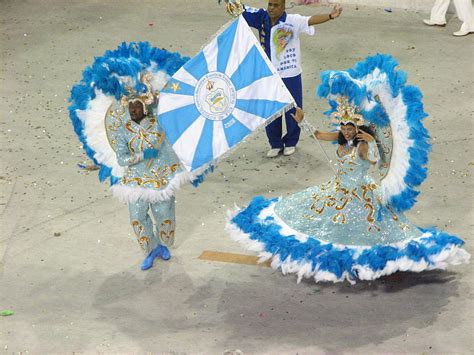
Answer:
(252, 15)
(318, 19)
(368, 147)
(324, 136)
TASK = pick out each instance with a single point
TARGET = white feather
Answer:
(129, 194)
(393, 183)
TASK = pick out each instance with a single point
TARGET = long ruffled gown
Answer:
(341, 230)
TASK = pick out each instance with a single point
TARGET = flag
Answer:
(220, 97)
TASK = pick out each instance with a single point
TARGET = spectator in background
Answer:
(464, 12)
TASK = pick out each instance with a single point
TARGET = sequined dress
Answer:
(346, 210)
(341, 230)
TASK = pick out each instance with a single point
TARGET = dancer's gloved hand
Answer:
(150, 153)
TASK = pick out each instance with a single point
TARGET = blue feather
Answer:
(129, 59)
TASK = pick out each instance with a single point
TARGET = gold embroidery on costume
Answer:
(344, 201)
(142, 239)
(142, 136)
(369, 205)
(157, 178)
(339, 218)
(167, 232)
(370, 216)
(320, 202)
(334, 195)
(354, 193)
(346, 158)
(113, 121)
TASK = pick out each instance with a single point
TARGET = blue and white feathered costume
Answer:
(352, 228)
(117, 144)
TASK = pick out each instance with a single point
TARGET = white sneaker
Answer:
(272, 153)
(289, 150)
(461, 33)
(431, 23)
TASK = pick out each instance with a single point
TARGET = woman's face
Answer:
(349, 131)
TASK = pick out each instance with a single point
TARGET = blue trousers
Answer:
(274, 129)
(163, 213)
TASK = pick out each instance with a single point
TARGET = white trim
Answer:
(129, 194)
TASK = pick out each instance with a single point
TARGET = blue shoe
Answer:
(165, 253)
(148, 262)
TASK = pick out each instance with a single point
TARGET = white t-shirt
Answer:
(285, 44)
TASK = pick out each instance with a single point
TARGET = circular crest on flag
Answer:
(215, 96)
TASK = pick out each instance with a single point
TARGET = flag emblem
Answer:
(215, 96)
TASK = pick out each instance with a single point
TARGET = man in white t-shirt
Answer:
(279, 36)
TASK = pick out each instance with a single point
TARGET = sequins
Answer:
(149, 173)
(143, 137)
(347, 210)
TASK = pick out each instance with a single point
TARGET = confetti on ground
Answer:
(6, 313)
(89, 167)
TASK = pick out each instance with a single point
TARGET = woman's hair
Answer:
(342, 141)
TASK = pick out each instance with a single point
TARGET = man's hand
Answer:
(336, 11)
(318, 19)
(233, 7)
(299, 115)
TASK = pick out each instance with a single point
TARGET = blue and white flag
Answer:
(220, 97)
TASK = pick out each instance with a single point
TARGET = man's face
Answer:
(275, 8)
(136, 110)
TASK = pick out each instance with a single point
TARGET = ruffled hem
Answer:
(129, 194)
(259, 231)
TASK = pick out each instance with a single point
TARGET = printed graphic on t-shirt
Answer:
(281, 37)
(285, 44)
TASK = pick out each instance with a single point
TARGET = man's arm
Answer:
(127, 158)
(124, 156)
(252, 16)
(318, 19)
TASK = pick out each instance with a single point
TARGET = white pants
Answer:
(464, 12)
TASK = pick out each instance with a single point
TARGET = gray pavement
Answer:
(70, 266)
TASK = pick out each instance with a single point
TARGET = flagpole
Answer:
(308, 128)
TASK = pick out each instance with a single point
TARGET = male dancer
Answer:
(142, 148)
